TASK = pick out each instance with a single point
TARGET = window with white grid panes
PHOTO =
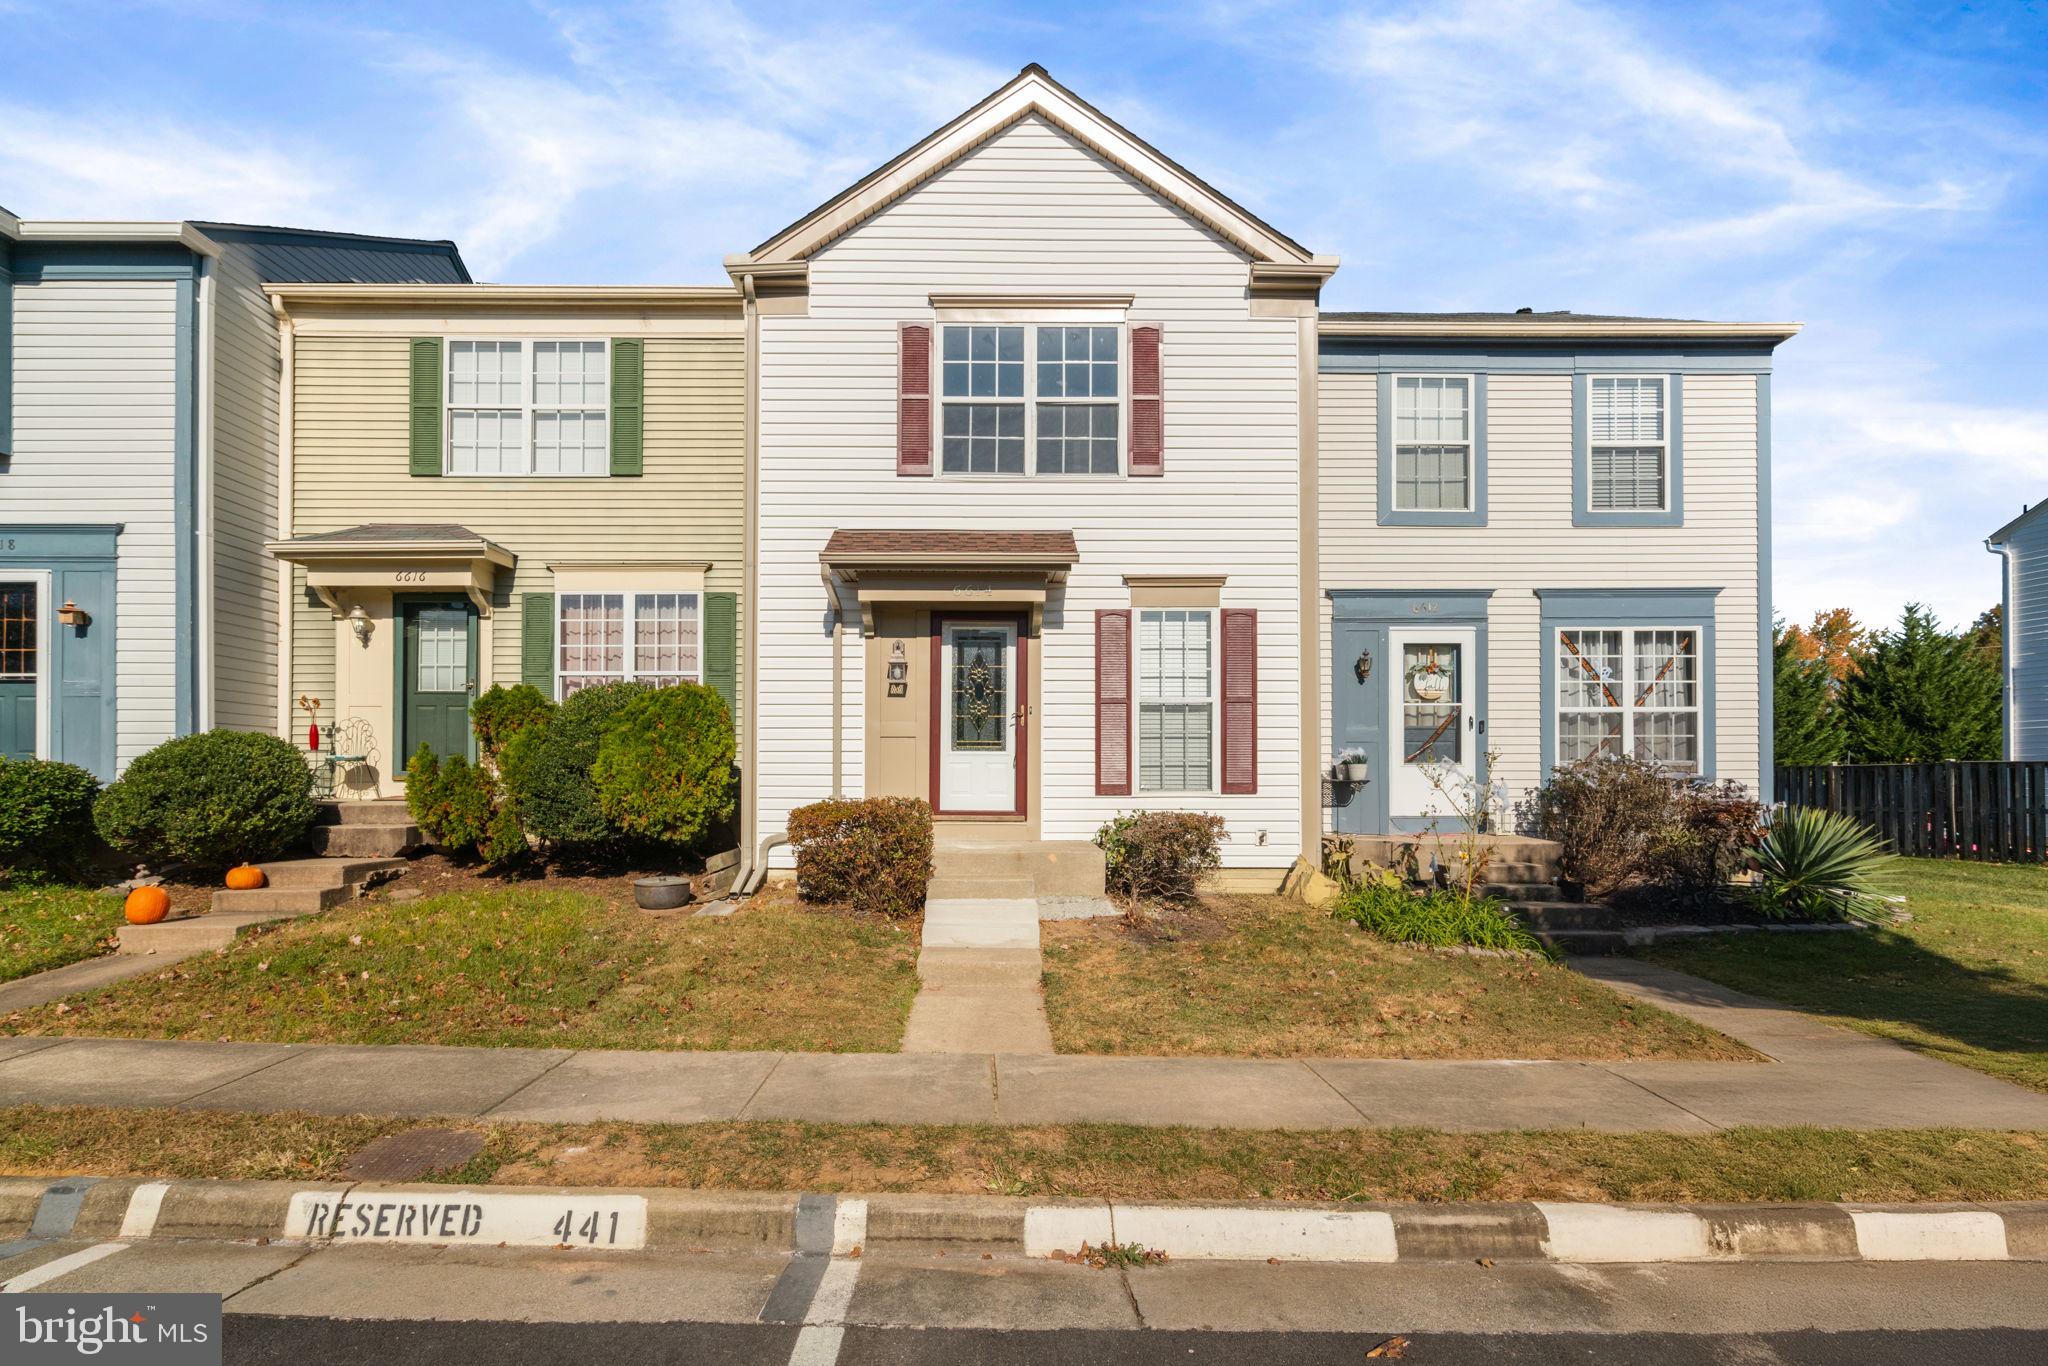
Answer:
(1629, 691)
(540, 407)
(1064, 406)
(1433, 443)
(652, 638)
(1176, 700)
(1627, 443)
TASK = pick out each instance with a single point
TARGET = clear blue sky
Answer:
(1871, 168)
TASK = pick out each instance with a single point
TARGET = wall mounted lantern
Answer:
(71, 614)
(359, 622)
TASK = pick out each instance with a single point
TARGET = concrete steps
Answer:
(980, 889)
(998, 870)
(296, 887)
(375, 829)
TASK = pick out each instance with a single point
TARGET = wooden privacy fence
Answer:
(1997, 812)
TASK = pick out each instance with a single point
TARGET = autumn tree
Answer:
(1835, 639)
(1807, 724)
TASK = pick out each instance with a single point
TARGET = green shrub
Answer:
(502, 713)
(212, 799)
(1438, 919)
(455, 804)
(554, 793)
(1160, 855)
(45, 816)
(664, 765)
(873, 852)
(1820, 865)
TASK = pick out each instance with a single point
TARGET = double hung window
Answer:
(616, 637)
(1176, 700)
(1628, 443)
(1026, 400)
(1632, 691)
(1432, 443)
(529, 407)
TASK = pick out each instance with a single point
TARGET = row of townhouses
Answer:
(1025, 476)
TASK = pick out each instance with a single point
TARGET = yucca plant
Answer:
(1820, 865)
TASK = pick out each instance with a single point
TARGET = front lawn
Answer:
(46, 927)
(522, 966)
(1965, 980)
(1259, 976)
(1105, 1161)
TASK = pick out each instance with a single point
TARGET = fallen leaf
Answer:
(1486, 1261)
(1392, 1349)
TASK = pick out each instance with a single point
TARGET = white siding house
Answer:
(1034, 650)
(2022, 545)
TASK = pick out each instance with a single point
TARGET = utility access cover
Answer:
(413, 1154)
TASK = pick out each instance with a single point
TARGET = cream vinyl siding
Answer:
(1529, 542)
(95, 403)
(1032, 210)
(244, 497)
(351, 468)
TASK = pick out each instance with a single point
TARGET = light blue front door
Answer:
(1358, 707)
(19, 653)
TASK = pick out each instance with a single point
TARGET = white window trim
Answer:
(526, 406)
(1471, 441)
(632, 595)
(1663, 444)
(1031, 323)
(1629, 710)
(1140, 700)
(46, 638)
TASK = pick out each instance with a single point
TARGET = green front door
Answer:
(17, 670)
(436, 675)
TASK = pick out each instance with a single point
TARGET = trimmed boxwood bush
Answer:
(874, 853)
(212, 799)
(552, 784)
(664, 765)
(461, 807)
(502, 713)
(45, 816)
(1160, 855)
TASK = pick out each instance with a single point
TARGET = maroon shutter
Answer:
(1240, 700)
(1113, 704)
(914, 399)
(1148, 415)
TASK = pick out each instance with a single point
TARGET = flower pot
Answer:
(663, 893)
(1353, 773)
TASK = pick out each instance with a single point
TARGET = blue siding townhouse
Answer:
(2022, 544)
(139, 467)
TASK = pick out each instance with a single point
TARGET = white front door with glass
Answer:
(1433, 724)
(977, 682)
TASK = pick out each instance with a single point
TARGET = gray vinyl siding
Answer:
(95, 405)
(244, 495)
(2027, 634)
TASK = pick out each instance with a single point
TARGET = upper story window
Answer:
(1433, 443)
(529, 407)
(1629, 691)
(1058, 413)
(1627, 443)
(1176, 700)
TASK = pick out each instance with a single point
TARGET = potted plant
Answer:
(1351, 766)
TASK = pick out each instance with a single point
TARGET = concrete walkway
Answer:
(1820, 1076)
(88, 974)
(980, 978)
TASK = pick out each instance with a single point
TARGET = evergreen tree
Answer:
(1807, 723)
(1922, 695)
(1987, 634)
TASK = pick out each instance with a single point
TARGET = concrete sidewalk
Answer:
(1820, 1076)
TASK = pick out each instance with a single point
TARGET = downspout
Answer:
(203, 566)
(753, 868)
(2004, 554)
(838, 697)
(286, 608)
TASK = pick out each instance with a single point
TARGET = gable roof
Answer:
(1033, 91)
(2027, 518)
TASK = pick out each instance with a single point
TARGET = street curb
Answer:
(38, 1210)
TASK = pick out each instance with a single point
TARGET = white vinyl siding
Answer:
(1627, 443)
(1176, 700)
(536, 407)
(1033, 211)
(1432, 443)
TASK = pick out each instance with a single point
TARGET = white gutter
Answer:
(286, 608)
(203, 560)
(1704, 331)
(753, 869)
(652, 296)
(2007, 735)
(101, 230)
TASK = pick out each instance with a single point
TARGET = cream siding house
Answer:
(1542, 536)
(502, 484)
(138, 415)
(1033, 406)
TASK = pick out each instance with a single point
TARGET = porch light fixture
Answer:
(71, 614)
(359, 622)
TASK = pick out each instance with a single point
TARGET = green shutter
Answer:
(425, 406)
(537, 641)
(628, 405)
(722, 645)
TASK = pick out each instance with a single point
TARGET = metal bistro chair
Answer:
(346, 765)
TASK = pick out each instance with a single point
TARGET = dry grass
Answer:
(1259, 976)
(1100, 1160)
(527, 966)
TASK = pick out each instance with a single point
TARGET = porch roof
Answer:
(396, 557)
(906, 551)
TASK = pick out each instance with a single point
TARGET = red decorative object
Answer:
(313, 736)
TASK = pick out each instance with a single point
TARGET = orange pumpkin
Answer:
(146, 905)
(245, 877)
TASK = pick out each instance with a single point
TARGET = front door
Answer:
(979, 710)
(1433, 725)
(437, 676)
(19, 647)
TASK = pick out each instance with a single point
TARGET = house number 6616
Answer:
(411, 576)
